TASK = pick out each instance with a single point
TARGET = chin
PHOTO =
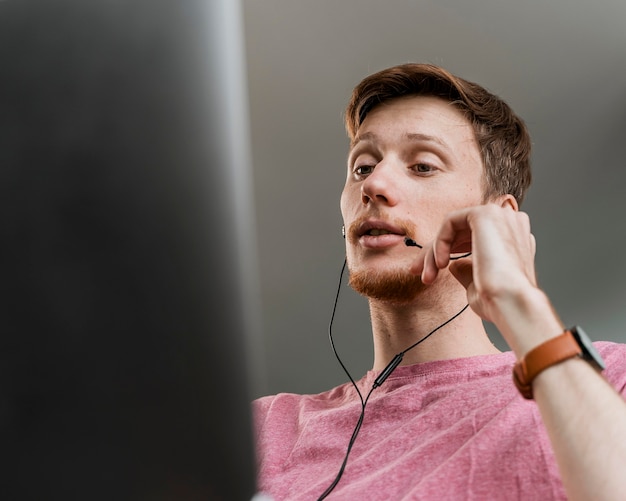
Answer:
(399, 287)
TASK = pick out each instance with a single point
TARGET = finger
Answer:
(453, 237)
(430, 271)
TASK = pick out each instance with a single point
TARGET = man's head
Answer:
(422, 145)
(501, 135)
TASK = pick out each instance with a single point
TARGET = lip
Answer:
(376, 224)
(395, 236)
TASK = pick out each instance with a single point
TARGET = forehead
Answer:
(430, 117)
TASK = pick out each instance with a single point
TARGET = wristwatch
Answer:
(573, 342)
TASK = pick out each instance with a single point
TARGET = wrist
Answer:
(572, 343)
(527, 320)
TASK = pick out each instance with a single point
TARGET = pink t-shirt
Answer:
(450, 429)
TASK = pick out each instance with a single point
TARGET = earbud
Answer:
(343, 231)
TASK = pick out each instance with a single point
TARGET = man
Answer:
(442, 164)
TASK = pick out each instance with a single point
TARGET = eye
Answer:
(364, 170)
(422, 168)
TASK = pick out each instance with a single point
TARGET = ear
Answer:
(506, 200)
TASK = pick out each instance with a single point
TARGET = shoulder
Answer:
(289, 405)
(614, 356)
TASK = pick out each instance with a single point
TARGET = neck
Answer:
(397, 326)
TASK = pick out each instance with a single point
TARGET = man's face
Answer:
(414, 160)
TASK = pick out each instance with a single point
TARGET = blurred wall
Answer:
(561, 65)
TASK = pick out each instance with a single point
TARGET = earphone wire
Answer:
(357, 428)
(385, 373)
(330, 331)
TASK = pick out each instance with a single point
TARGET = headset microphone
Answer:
(409, 242)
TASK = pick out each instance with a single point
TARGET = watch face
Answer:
(589, 351)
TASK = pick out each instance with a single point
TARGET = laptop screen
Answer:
(124, 358)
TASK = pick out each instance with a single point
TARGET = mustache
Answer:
(409, 228)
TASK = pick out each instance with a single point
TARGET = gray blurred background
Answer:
(560, 64)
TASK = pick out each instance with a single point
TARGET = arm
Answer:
(584, 416)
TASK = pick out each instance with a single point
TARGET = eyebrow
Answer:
(412, 136)
(416, 136)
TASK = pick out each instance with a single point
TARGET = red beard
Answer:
(396, 286)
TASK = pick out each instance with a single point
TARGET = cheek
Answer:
(346, 202)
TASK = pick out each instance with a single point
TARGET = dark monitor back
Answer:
(122, 355)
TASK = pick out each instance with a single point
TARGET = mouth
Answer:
(377, 234)
(378, 228)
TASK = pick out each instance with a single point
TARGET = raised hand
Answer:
(499, 276)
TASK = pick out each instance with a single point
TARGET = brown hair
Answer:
(502, 136)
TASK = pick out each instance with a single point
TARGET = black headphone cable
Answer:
(386, 372)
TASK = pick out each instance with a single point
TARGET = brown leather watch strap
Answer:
(552, 352)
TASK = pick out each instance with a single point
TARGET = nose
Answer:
(380, 186)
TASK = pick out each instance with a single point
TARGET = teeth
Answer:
(378, 232)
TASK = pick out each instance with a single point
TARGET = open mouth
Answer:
(376, 232)
(378, 228)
